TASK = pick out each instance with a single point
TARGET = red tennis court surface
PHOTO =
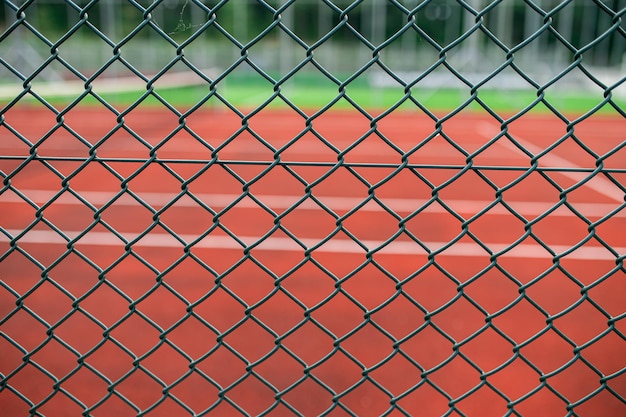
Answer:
(185, 318)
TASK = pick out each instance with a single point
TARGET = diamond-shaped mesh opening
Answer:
(89, 60)
(276, 52)
(526, 379)
(259, 90)
(23, 62)
(310, 88)
(311, 208)
(354, 54)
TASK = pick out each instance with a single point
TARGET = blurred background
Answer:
(61, 41)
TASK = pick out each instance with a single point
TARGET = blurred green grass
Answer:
(313, 94)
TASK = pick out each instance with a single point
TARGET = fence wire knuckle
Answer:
(119, 118)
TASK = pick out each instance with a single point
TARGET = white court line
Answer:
(600, 185)
(462, 249)
(104, 85)
(282, 202)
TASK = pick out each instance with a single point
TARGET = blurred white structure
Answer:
(409, 37)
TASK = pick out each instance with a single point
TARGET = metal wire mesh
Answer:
(103, 297)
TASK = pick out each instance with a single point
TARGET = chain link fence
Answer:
(312, 208)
